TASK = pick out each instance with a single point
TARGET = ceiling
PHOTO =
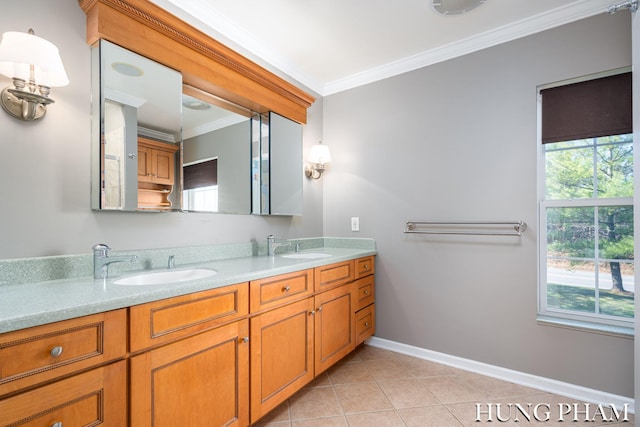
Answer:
(334, 45)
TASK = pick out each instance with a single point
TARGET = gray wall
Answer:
(457, 141)
(44, 167)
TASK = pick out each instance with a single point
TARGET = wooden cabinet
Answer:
(156, 173)
(334, 326)
(194, 366)
(221, 357)
(95, 397)
(365, 320)
(301, 324)
(43, 353)
(281, 354)
(198, 381)
(278, 290)
(60, 373)
(156, 162)
(168, 320)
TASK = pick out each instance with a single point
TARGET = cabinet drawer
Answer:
(274, 291)
(332, 275)
(365, 323)
(34, 355)
(96, 397)
(365, 292)
(167, 320)
(365, 266)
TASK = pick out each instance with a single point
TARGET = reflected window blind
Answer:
(589, 109)
(204, 174)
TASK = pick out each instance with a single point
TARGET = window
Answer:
(200, 182)
(586, 208)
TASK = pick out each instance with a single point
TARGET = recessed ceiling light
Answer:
(195, 104)
(455, 7)
(127, 69)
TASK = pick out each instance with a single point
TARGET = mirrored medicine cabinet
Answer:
(160, 145)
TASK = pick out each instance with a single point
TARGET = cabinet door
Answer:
(199, 381)
(164, 165)
(145, 171)
(96, 397)
(281, 355)
(334, 326)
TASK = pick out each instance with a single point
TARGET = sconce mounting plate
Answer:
(28, 106)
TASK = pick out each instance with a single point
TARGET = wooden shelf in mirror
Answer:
(205, 63)
(156, 173)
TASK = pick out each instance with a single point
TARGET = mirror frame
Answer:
(204, 63)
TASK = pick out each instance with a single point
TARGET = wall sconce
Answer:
(318, 157)
(34, 65)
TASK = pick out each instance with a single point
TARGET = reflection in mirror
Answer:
(216, 167)
(140, 132)
(276, 144)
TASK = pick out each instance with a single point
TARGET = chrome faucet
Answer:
(273, 243)
(101, 260)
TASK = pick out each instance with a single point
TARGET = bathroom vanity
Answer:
(216, 353)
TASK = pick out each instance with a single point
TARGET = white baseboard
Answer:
(540, 383)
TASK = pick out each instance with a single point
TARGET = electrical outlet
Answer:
(355, 224)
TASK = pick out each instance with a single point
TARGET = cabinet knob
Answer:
(366, 323)
(245, 339)
(286, 288)
(366, 266)
(366, 292)
(319, 309)
(312, 313)
(131, 156)
(56, 352)
(57, 424)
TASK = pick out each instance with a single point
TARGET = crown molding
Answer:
(554, 18)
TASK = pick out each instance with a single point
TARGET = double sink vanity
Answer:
(213, 343)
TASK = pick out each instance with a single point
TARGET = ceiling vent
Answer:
(455, 7)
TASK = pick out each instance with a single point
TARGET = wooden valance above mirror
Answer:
(205, 63)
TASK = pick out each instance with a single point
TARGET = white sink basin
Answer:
(307, 255)
(168, 276)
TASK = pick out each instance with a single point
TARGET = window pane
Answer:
(569, 174)
(617, 289)
(616, 232)
(571, 232)
(615, 170)
(571, 285)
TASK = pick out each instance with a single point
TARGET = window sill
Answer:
(598, 328)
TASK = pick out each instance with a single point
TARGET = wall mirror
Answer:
(138, 137)
(216, 153)
(166, 146)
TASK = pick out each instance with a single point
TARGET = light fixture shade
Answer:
(319, 154)
(20, 50)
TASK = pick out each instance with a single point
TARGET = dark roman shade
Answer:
(589, 109)
(204, 174)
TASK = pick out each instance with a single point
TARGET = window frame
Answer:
(551, 315)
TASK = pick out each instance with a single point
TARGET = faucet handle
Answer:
(101, 249)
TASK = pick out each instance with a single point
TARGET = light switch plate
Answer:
(355, 223)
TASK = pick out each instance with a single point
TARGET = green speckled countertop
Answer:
(43, 290)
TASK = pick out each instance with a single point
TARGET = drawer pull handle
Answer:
(56, 352)
(57, 424)
(286, 288)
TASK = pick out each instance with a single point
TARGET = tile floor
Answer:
(373, 387)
